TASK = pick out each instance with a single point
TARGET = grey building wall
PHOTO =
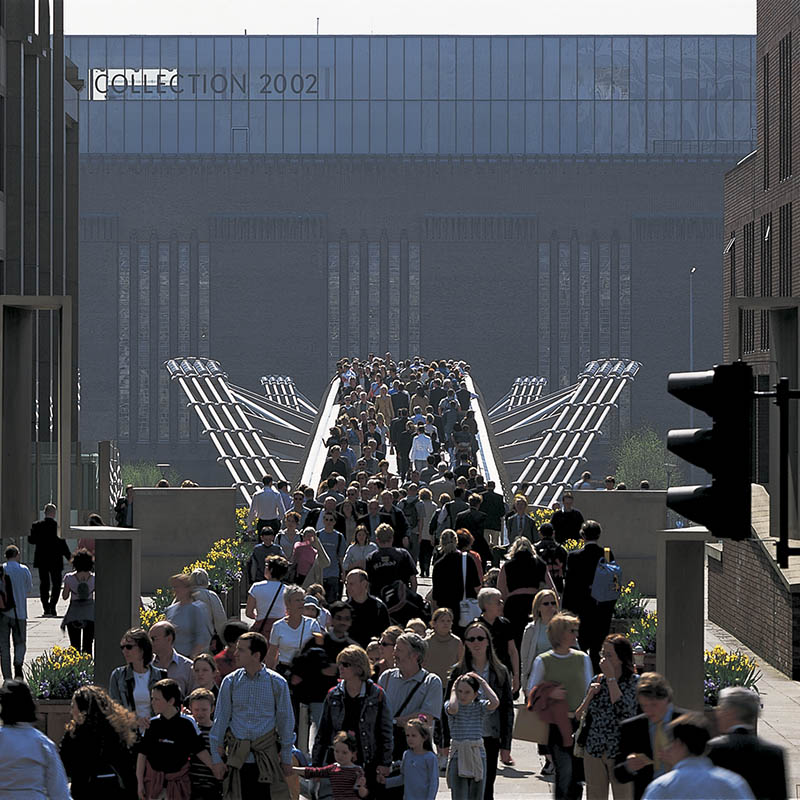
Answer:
(281, 264)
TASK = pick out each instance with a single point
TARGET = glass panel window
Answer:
(413, 67)
(150, 127)
(725, 67)
(741, 120)
(361, 68)
(308, 128)
(585, 68)
(585, 126)
(516, 127)
(655, 125)
(689, 121)
(240, 69)
(447, 126)
(239, 113)
(602, 126)
(619, 115)
(569, 68)
(551, 60)
(741, 68)
(344, 126)
(464, 69)
(533, 126)
(603, 78)
(464, 126)
(672, 120)
(499, 126)
(205, 126)
(516, 68)
(360, 125)
(413, 127)
(395, 67)
(672, 68)
(97, 128)
(274, 126)
(394, 126)
(533, 68)
(78, 49)
(655, 67)
(620, 74)
(483, 68)
(257, 116)
(377, 68)
(83, 130)
(430, 68)
(499, 54)
(568, 116)
(291, 126)
(326, 125)
(638, 68)
(707, 74)
(222, 126)
(482, 127)
(377, 127)
(689, 67)
(187, 125)
(725, 119)
(343, 78)
(430, 127)
(326, 49)
(133, 126)
(447, 68)
(169, 127)
(205, 67)
(707, 120)
(308, 68)
(637, 135)
(550, 138)
(169, 51)
(151, 51)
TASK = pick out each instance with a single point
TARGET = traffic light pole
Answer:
(783, 394)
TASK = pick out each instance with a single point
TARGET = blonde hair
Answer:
(559, 625)
(183, 579)
(521, 543)
(293, 591)
(358, 657)
(448, 541)
(539, 599)
(425, 494)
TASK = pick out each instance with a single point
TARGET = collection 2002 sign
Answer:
(134, 83)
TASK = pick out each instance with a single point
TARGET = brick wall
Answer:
(748, 597)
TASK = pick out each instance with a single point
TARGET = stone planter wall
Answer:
(52, 718)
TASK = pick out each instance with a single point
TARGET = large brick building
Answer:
(529, 203)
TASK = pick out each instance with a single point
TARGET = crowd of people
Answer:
(352, 677)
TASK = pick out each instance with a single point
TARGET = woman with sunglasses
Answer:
(534, 643)
(479, 657)
(130, 685)
(571, 668)
(356, 704)
(386, 642)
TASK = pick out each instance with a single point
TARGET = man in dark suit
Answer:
(474, 520)
(48, 558)
(595, 617)
(373, 518)
(494, 507)
(643, 737)
(739, 749)
(518, 523)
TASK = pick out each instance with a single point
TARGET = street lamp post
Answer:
(691, 334)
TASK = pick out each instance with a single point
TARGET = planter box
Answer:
(621, 626)
(649, 664)
(53, 717)
(232, 600)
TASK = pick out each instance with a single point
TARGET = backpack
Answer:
(6, 591)
(83, 592)
(549, 552)
(607, 583)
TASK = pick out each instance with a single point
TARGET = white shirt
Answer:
(21, 584)
(264, 592)
(421, 447)
(290, 640)
(141, 694)
(267, 503)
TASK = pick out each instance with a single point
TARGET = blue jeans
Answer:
(464, 788)
(16, 630)
(569, 770)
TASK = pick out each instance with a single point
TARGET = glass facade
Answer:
(416, 94)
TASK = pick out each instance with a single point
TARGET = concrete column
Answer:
(681, 624)
(117, 592)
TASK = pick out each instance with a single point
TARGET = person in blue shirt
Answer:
(693, 776)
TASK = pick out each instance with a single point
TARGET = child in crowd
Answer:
(204, 673)
(417, 626)
(205, 786)
(419, 769)
(466, 767)
(374, 651)
(347, 779)
(168, 743)
(224, 659)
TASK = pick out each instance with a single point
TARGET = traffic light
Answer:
(725, 393)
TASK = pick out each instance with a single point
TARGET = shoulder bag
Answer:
(469, 610)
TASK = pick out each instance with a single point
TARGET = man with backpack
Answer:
(580, 586)
(553, 555)
(15, 585)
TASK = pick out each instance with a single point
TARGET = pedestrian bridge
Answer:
(528, 442)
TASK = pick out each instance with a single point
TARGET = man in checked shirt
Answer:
(253, 726)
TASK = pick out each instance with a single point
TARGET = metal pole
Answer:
(691, 335)
(782, 401)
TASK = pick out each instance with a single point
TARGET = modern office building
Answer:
(276, 202)
(38, 265)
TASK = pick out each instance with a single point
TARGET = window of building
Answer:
(785, 250)
(766, 275)
(765, 104)
(760, 430)
(730, 250)
(785, 106)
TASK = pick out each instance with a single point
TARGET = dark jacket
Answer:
(340, 466)
(86, 755)
(634, 737)
(51, 549)
(528, 527)
(581, 567)
(474, 521)
(494, 507)
(448, 581)
(501, 720)
(313, 517)
(374, 730)
(761, 764)
(121, 684)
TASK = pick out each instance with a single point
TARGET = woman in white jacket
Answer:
(421, 448)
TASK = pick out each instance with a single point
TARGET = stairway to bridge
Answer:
(528, 442)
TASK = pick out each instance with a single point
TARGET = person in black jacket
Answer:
(48, 558)
(595, 617)
(739, 749)
(637, 759)
(474, 520)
